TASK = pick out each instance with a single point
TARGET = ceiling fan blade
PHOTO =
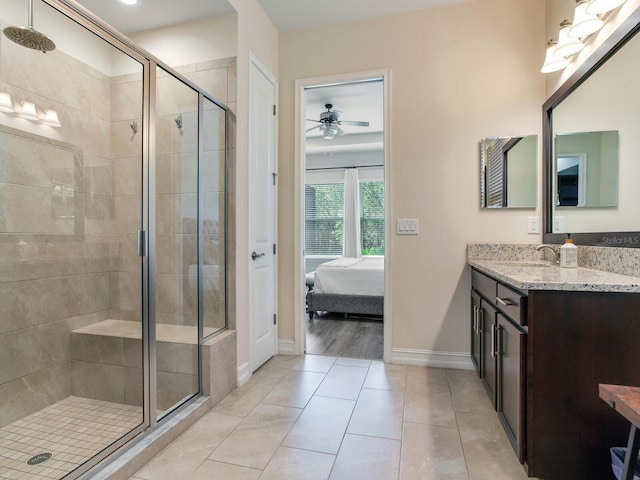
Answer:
(313, 128)
(355, 124)
(312, 120)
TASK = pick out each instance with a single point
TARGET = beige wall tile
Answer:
(174, 387)
(126, 99)
(98, 381)
(97, 348)
(18, 399)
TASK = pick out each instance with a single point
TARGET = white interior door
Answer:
(262, 168)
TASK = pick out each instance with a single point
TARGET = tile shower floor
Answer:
(320, 417)
(72, 430)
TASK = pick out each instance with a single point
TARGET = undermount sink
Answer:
(525, 264)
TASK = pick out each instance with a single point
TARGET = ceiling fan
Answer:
(330, 123)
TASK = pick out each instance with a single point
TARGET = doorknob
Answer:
(254, 255)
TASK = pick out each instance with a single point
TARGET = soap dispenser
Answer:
(569, 254)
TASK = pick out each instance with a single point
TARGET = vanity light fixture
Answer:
(51, 118)
(584, 23)
(567, 46)
(28, 111)
(598, 7)
(6, 105)
(551, 62)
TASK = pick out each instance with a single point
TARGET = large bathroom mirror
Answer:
(508, 167)
(591, 146)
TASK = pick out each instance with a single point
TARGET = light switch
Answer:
(558, 224)
(407, 226)
(533, 225)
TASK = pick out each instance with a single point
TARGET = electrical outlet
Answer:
(533, 225)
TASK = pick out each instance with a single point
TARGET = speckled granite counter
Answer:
(522, 267)
(545, 276)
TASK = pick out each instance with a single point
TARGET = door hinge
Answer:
(274, 248)
(274, 110)
(274, 318)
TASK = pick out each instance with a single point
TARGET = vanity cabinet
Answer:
(498, 347)
(541, 355)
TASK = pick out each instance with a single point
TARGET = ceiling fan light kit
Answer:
(329, 123)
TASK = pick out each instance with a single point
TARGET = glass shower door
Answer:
(71, 150)
(176, 236)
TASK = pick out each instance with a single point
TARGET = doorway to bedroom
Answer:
(344, 218)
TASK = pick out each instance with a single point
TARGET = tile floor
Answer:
(72, 430)
(319, 417)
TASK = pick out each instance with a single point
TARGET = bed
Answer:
(348, 285)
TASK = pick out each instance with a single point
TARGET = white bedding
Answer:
(351, 276)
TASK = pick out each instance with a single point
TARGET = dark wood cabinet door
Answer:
(488, 360)
(510, 356)
(476, 333)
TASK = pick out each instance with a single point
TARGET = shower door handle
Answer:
(142, 243)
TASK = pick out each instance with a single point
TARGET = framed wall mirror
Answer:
(508, 172)
(591, 145)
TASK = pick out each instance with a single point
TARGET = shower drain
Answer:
(40, 458)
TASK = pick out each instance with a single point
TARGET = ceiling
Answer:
(285, 14)
(358, 101)
(149, 14)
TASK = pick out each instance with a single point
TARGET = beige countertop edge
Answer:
(555, 278)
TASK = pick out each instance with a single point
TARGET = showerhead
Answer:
(30, 38)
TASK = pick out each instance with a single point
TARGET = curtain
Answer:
(351, 237)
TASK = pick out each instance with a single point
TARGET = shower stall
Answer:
(113, 200)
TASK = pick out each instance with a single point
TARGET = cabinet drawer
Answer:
(484, 285)
(513, 303)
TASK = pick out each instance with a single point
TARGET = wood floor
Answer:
(335, 335)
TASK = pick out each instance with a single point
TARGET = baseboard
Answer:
(244, 373)
(426, 358)
(286, 347)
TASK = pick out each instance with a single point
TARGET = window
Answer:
(324, 218)
(372, 217)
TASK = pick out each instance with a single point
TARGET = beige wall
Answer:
(192, 42)
(458, 74)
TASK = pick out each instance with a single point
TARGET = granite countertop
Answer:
(542, 275)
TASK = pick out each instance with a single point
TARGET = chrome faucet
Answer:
(556, 254)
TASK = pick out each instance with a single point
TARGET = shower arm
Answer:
(30, 13)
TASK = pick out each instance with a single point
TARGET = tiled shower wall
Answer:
(68, 215)
(58, 246)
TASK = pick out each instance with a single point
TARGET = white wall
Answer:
(458, 74)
